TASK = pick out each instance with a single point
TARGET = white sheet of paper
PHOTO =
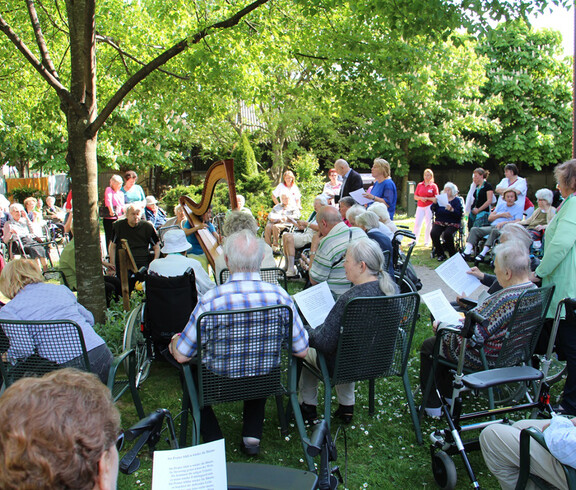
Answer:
(442, 200)
(358, 196)
(201, 467)
(440, 307)
(453, 273)
(315, 303)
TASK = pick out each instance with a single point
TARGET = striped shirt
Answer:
(327, 265)
(243, 290)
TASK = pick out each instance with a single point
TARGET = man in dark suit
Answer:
(351, 180)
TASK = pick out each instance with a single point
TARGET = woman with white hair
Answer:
(447, 221)
(387, 226)
(364, 265)
(353, 213)
(541, 217)
(369, 222)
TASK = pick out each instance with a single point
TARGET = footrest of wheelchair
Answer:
(494, 377)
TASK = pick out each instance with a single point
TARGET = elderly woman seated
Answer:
(353, 213)
(34, 300)
(536, 224)
(234, 222)
(293, 241)
(59, 431)
(282, 216)
(512, 267)
(369, 222)
(19, 229)
(386, 226)
(447, 221)
(364, 264)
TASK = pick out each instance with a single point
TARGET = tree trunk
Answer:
(84, 172)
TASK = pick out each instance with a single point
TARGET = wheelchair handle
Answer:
(472, 318)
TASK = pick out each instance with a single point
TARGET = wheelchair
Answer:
(510, 383)
(166, 309)
(404, 274)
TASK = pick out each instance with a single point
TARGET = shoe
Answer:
(466, 257)
(309, 413)
(479, 258)
(293, 273)
(432, 413)
(275, 249)
(345, 413)
(441, 258)
(250, 450)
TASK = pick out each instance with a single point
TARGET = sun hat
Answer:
(175, 242)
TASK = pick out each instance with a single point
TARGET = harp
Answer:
(222, 170)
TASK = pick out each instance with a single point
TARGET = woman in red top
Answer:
(425, 195)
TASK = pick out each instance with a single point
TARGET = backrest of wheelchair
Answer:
(34, 348)
(525, 326)
(245, 354)
(169, 303)
(375, 337)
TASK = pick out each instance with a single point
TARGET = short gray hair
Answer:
(510, 256)
(545, 194)
(354, 212)
(348, 201)
(322, 198)
(236, 221)
(368, 251)
(452, 187)
(368, 220)
(16, 207)
(244, 252)
(515, 233)
(381, 210)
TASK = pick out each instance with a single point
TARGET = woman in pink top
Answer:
(114, 204)
(425, 195)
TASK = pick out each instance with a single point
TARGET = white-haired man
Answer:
(243, 253)
(351, 180)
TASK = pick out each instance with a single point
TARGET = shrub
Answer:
(309, 179)
(20, 193)
(245, 164)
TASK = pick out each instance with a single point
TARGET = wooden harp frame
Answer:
(222, 170)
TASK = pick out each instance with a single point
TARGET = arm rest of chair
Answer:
(525, 436)
(493, 377)
(116, 363)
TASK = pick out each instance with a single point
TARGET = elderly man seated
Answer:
(500, 444)
(245, 289)
(293, 241)
(508, 210)
(512, 267)
(154, 214)
(283, 215)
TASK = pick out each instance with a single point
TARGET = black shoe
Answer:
(249, 450)
(345, 413)
(441, 258)
(309, 413)
(466, 257)
(479, 259)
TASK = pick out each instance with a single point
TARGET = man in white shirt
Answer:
(500, 444)
(176, 263)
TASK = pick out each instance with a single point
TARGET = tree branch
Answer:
(40, 41)
(49, 77)
(164, 58)
(111, 42)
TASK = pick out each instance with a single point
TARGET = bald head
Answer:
(328, 217)
(341, 167)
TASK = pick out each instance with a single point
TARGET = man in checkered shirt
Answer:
(243, 253)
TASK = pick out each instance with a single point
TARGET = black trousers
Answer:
(446, 232)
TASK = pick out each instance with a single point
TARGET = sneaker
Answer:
(292, 273)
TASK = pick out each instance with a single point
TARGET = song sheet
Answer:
(442, 200)
(201, 467)
(440, 307)
(453, 273)
(358, 196)
(315, 303)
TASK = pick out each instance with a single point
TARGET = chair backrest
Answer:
(245, 353)
(525, 326)
(375, 337)
(273, 275)
(36, 348)
(169, 303)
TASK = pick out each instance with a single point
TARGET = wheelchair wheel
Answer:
(134, 339)
(444, 470)
(406, 286)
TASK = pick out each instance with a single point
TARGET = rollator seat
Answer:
(493, 377)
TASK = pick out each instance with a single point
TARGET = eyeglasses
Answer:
(120, 441)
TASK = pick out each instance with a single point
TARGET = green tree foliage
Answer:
(528, 93)
(244, 160)
(309, 179)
